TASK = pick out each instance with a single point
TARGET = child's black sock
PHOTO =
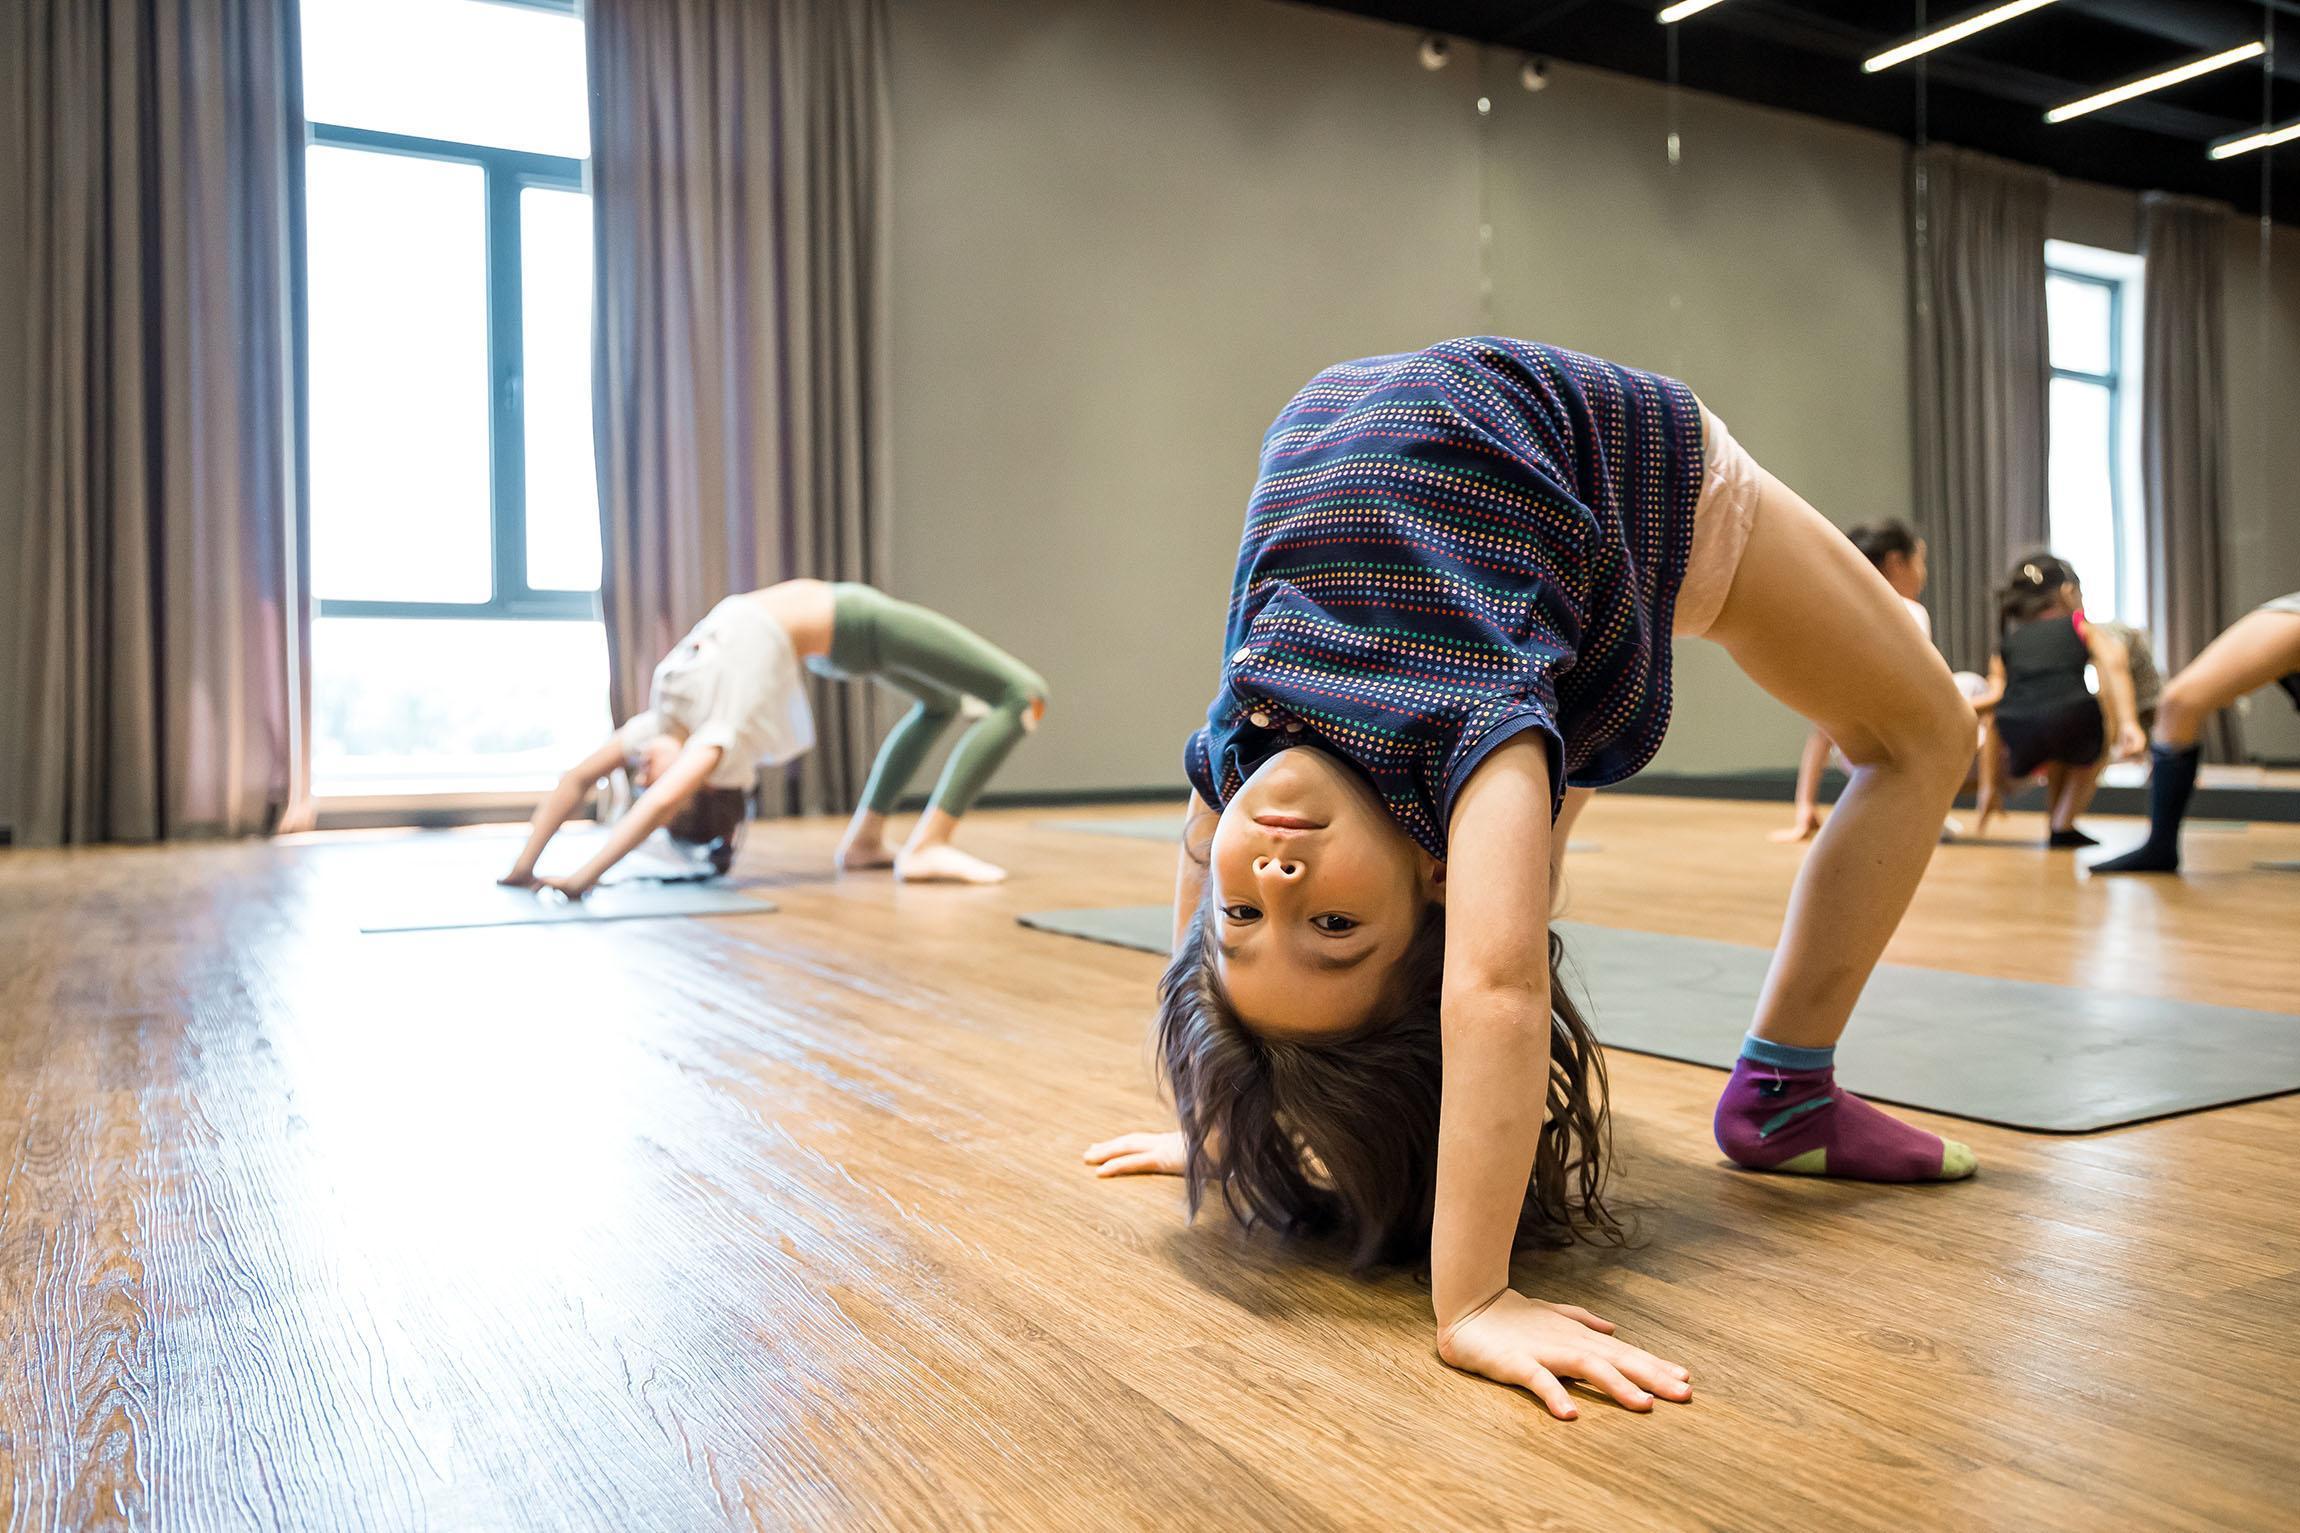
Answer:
(2069, 837)
(2171, 783)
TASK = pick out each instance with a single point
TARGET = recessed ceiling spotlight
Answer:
(1436, 52)
(1534, 74)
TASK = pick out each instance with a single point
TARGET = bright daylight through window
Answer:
(2092, 301)
(456, 645)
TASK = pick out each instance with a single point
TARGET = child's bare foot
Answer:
(862, 856)
(942, 863)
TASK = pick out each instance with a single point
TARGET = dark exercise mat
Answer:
(2012, 1052)
(445, 907)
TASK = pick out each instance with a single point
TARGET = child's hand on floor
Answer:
(1516, 1340)
(1807, 826)
(1137, 1155)
(573, 888)
(517, 880)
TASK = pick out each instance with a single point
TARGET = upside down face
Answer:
(1315, 894)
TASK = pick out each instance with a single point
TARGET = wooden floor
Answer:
(780, 1220)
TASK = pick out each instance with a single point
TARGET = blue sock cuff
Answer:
(1782, 1056)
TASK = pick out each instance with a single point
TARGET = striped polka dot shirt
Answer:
(1450, 547)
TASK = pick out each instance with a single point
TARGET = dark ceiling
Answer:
(1989, 91)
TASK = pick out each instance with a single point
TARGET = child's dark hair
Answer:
(711, 822)
(1879, 541)
(2033, 588)
(1340, 1137)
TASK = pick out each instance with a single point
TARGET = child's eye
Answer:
(1241, 912)
(1333, 923)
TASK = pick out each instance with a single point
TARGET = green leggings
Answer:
(940, 664)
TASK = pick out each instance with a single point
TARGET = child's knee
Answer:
(1027, 699)
(2181, 710)
(1936, 738)
(938, 710)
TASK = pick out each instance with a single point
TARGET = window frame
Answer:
(506, 173)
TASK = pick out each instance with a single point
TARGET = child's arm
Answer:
(561, 803)
(1987, 701)
(1149, 1154)
(1496, 1023)
(1809, 765)
(661, 800)
(2112, 662)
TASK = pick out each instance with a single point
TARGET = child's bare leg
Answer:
(1810, 765)
(1576, 800)
(2251, 652)
(1989, 800)
(1810, 621)
(2255, 650)
(2072, 791)
(864, 844)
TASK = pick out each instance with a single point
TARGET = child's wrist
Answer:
(1448, 1328)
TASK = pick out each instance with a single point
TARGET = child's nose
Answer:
(1284, 868)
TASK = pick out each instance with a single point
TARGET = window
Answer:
(2092, 303)
(454, 514)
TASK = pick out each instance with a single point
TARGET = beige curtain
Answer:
(2184, 431)
(741, 193)
(153, 594)
(1983, 374)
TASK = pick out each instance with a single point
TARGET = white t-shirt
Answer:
(733, 682)
(1918, 615)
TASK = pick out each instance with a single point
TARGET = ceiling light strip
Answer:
(2245, 143)
(2155, 82)
(1954, 32)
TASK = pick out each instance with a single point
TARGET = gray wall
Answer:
(1124, 235)
(1125, 232)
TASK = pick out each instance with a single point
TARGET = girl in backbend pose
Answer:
(2260, 647)
(730, 700)
(1453, 604)
(2044, 717)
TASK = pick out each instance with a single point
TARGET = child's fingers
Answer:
(1125, 1165)
(1098, 1153)
(1548, 1390)
(1601, 1374)
(1576, 1312)
(1665, 1379)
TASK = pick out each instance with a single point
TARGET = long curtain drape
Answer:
(742, 200)
(155, 595)
(2183, 431)
(1983, 376)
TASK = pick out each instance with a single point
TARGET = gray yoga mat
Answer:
(445, 906)
(1168, 828)
(2004, 1051)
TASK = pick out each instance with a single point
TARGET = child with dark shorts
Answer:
(2045, 718)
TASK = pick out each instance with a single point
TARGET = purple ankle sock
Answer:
(1778, 1117)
